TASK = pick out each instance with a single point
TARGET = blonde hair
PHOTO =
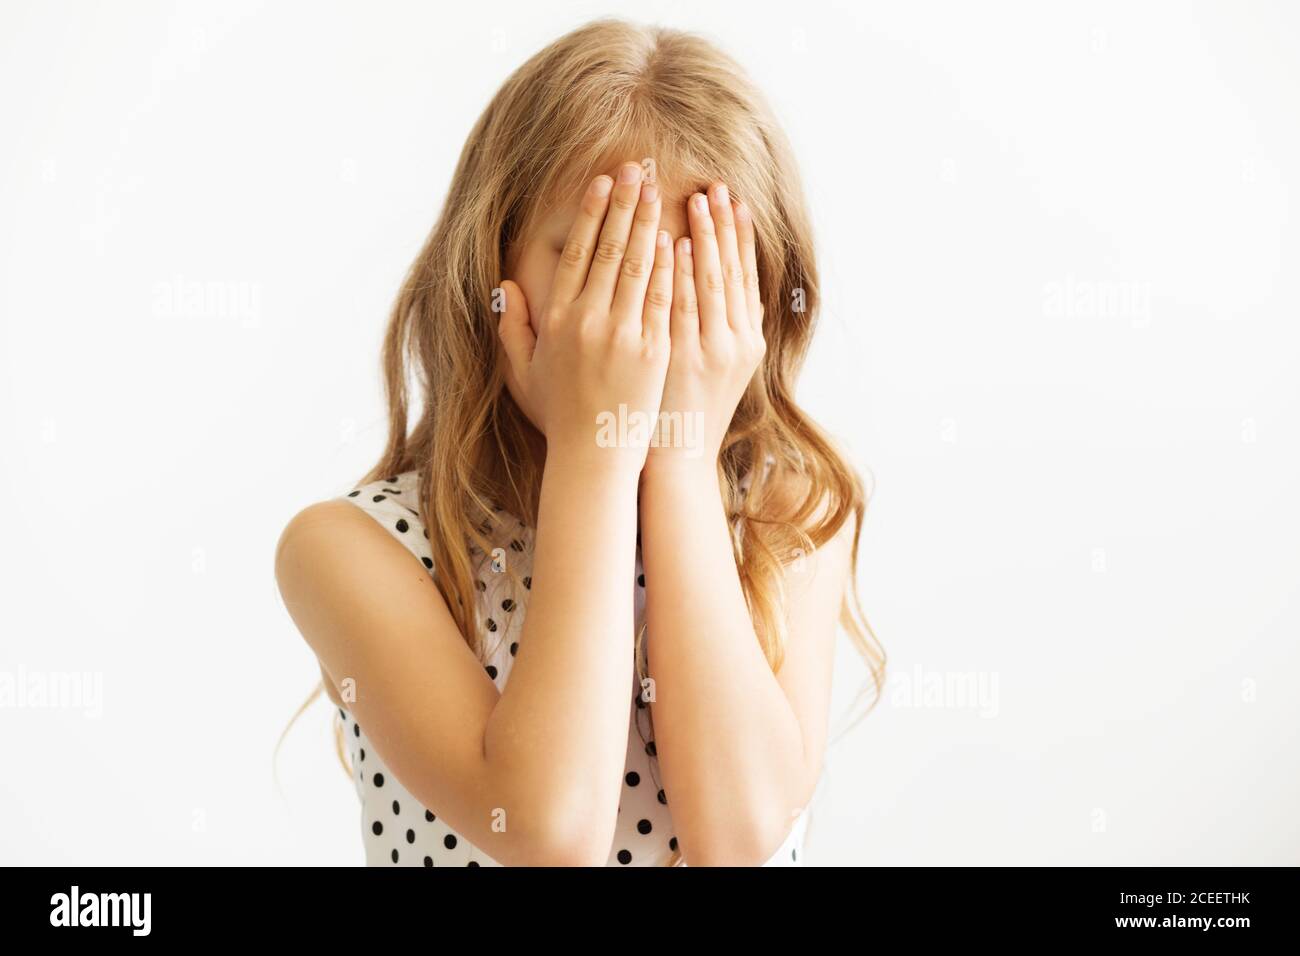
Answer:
(613, 89)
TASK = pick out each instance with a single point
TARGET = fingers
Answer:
(580, 246)
(659, 296)
(710, 289)
(607, 259)
(749, 264)
(638, 261)
(516, 333)
(685, 323)
(733, 273)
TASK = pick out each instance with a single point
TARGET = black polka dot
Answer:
(449, 841)
(479, 586)
(353, 494)
(491, 625)
(402, 526)
(471, 863)
(528, 583)
(624, 857)
(394, 855)
(663, 798)
(507, 605)
(640, 579)
(428, 815)
(410, 836)
(342, 714)
(643, 827)
(633, 778)
(491, 671)
(363, 753)
(651, 750)
(356, 730)
(516, 545)
(514, 648)
(397, 807)
(391, 481)
(379, 498)
(672, 844)
(428, 861)
(427, 562)
(794, 855)
(377, 828)
(379, 780)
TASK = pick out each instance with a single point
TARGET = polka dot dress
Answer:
(395, 828)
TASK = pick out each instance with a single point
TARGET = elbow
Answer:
(751, 841)
(565, 836)
(562, 846)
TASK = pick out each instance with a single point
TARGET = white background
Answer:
(1059, 251)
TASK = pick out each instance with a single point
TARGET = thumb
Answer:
(515, 330)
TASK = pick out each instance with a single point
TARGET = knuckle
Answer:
(635, 267)
(624, 201)
(590, 330)
(735, 275)
(687, 302)
(609, 250)
(575, 253)
(658, 298)
(714, 283)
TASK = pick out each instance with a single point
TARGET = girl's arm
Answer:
(544, 756)
(740, 748)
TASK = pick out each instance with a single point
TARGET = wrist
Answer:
(671, 470)
(588, 458)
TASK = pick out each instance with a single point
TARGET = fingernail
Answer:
(630, 173)
(701, 202)
(686, 246)
(649, 192)
(601, 185)
(721, 194)
(662, 239)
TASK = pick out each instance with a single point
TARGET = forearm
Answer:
(559, 732)
(729, 743)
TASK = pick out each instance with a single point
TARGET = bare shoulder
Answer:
(342, 574)
(322, 534)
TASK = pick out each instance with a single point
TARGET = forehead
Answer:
(555, 218)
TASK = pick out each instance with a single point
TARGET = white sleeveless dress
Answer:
(395, 828)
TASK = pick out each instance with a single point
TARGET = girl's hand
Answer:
(717, 329)
(602, 339)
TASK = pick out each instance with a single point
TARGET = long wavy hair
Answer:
(612, 88)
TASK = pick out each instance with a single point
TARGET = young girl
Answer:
(554, 635)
